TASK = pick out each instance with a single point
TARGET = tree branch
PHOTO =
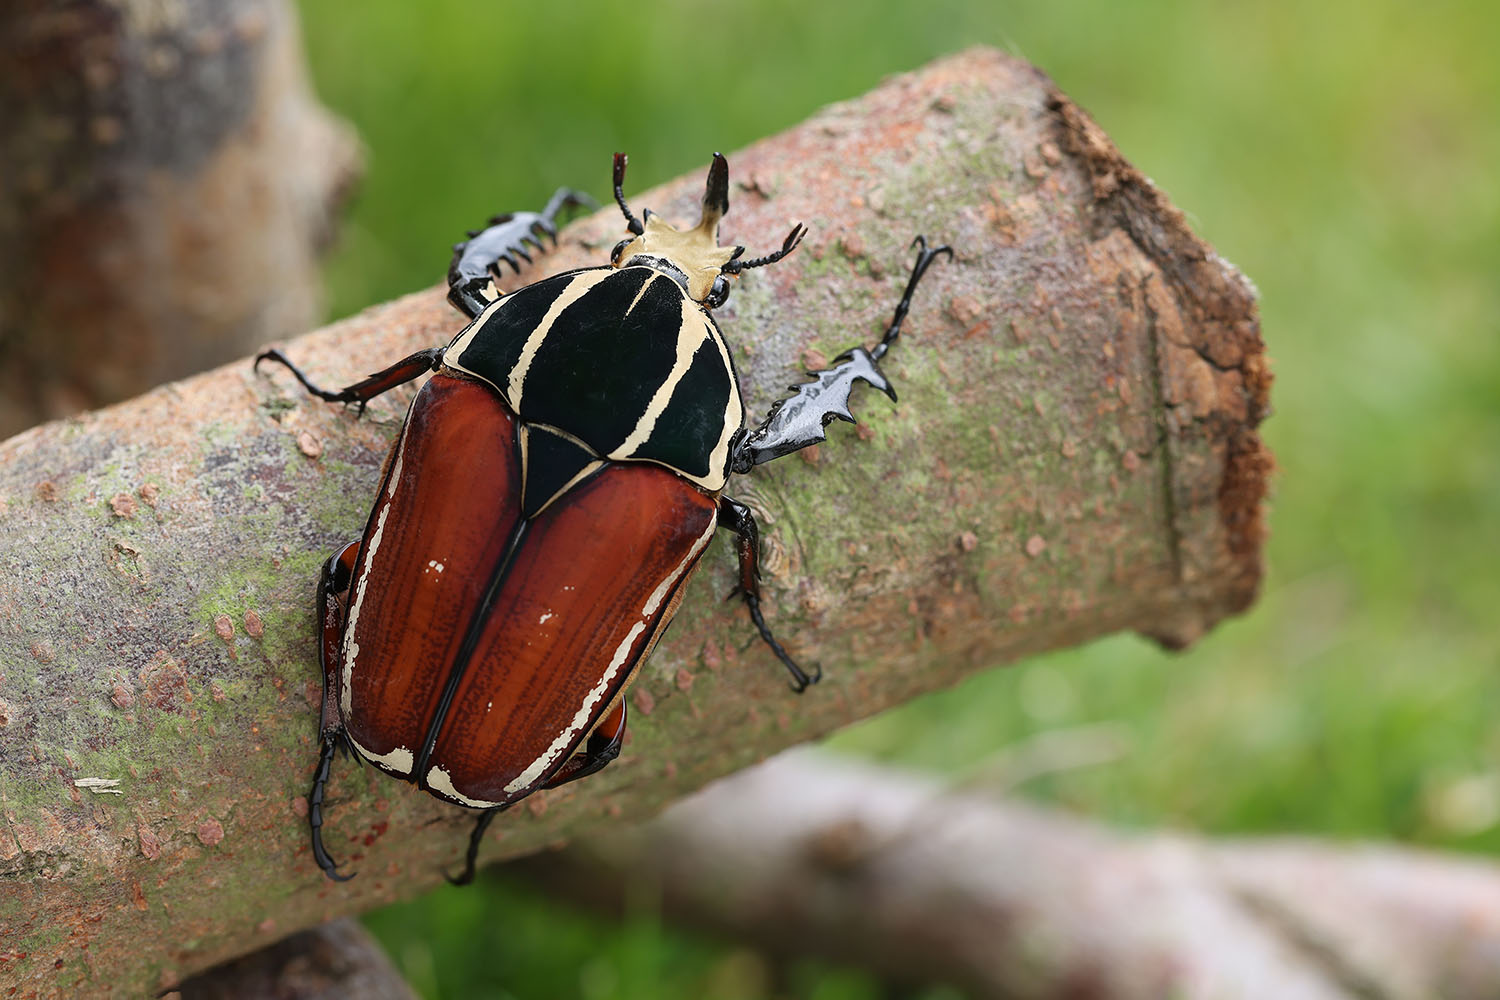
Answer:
(810, 854)
(1074, 453)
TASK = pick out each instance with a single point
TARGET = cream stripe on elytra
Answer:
(441, 781)
(466, 336)
(581, 718)
(575, 291)
(351, 627)
(691, 333)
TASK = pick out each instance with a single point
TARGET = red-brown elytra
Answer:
(552, 488)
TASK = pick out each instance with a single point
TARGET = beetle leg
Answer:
(333, 598)
(603, 747)
(798, 420)
(333, 590)
(737, 518)
(362, 392)
(476, 837)
(476, 261)
(315, 811)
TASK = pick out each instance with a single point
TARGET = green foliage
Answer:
(1343, 154)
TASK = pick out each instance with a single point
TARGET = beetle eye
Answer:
(717, 294)
(614, 255)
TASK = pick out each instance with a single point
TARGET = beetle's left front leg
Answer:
(737, 518)
(476, 261)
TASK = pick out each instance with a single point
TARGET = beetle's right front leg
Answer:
(738, 518)
(476, 261)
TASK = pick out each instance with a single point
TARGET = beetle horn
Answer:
(715, 194)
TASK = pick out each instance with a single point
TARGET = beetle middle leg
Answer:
(603, 746)
(737, 518)
(333, 590)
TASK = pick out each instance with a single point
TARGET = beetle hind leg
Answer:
(476, 837)
(603, 746)
(737, 518)
(315, 810)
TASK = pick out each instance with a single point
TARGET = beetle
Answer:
(553, 486)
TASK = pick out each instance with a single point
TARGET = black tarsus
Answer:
(738, 518)
(798, 420)
(411, 367)
(631, 222)
(925, 257)
(315, 810)
(476, 837)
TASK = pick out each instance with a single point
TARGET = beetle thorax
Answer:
(695, 253)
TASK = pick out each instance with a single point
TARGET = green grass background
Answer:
(1344, 154)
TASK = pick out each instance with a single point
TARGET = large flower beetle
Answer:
(552, 488)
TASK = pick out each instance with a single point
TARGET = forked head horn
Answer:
(694, 253)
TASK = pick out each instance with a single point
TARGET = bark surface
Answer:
(1074, 453)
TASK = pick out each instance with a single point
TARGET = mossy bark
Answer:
(1074, 453)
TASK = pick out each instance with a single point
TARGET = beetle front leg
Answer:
(400, 373)
(476, 261)
(798, 420)
(737, 518)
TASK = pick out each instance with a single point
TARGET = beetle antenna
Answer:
(631, 222)
(788, 245)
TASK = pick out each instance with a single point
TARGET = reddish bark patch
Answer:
(210, 832)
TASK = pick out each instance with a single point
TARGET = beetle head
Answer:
(691, 256)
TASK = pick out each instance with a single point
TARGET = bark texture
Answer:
(166, 181)
(808, 854)
(1074, 453)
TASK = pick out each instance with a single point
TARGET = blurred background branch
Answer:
(810, 854)
(167, 184)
